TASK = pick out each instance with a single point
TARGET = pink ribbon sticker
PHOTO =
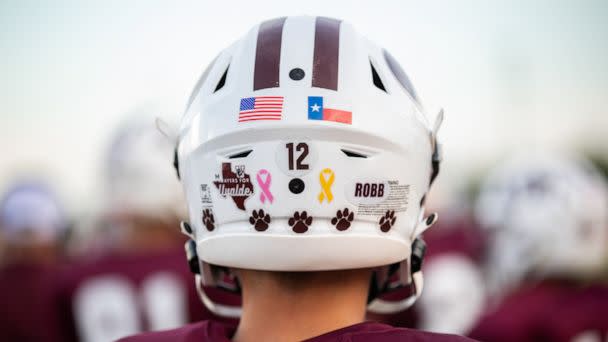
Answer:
(265, 185)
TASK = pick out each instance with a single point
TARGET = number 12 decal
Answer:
(302, 149)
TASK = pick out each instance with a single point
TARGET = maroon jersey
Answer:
(27, 303)
(582, 316)
(120, 295)
(460, 235)
(548, 312)
(363, 332)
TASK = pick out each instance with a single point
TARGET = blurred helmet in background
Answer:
(454, 295)
(547, 216)
(139, 178)
(31, 213)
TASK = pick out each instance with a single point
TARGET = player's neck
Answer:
(296, 306)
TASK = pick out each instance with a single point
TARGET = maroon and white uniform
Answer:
(27, 303)
(548, 312)
(364, 332)
(120, 295)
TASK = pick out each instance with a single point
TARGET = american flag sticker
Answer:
(261, 108)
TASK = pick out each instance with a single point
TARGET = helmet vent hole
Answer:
(376, 78)
(352, 154)
(296, 74)
(222, 80)
(240, 154)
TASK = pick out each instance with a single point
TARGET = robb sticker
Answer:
(370, 190)
(367, 191)
(236, 184)
(374, 197)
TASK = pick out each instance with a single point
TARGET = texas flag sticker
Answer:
(316, 111)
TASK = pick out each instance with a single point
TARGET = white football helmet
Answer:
(138, 180)
(304, 148)
(547, 215)
(31, 213)
(455, 297)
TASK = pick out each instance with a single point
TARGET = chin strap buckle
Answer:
(192, 257)
(413, 278)
(418, 252)
(218, 309)
(204, 276)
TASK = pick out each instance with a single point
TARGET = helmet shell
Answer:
(331, 176)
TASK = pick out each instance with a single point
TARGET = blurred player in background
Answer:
(455, 294)
(144, 202)
(33, 227)
(547, 218)
(306, 157)
(140, 280)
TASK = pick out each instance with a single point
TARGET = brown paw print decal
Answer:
(387, 221)
(259, 220)
(300, 222)
(343, 219)
(208, 219)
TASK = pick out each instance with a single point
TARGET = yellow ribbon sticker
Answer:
(326, 177)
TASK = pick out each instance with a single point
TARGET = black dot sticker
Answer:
(296, 186)
(296, 74)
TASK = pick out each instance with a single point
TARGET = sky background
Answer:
(510, 74)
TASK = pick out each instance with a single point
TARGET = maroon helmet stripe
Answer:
(326, 51)
(268, 54)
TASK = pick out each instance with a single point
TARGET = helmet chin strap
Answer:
(204, 275)
(218, 309)
(381, 306)
(416, 279)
